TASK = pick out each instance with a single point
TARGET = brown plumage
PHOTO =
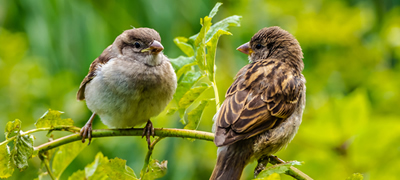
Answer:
(264, 105)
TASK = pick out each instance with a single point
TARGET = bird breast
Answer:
(127, 93)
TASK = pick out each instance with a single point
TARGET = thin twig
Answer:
(46, 163)
(294, 172)
(148, 155)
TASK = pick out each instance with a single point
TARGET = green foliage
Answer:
(22, 151)
(104, 168)
(52, 118)
(64, 156)
(6, 167)
(271, 172)
(200, 50)
(156, 170)
(273, 176)
(355, 176)
(12, 127)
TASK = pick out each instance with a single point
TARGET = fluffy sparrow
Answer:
(130, 82)
(263, 107)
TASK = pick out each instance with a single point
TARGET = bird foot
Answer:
(148, 131)
(262, 163)
(86, 131)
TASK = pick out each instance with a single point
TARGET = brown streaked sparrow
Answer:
(130, 82)
(263, 107)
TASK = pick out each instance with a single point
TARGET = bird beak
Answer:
(154, 48)
(245, 48)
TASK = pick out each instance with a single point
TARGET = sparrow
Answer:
(130, 82)
(263, 107)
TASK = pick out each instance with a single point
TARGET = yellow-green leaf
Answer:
(117, 169)
(93, 171)
(52, 118)
(211, 52)
(64, 156)
(6, 168)
(355, 176)
(22, 151)
(273, 176)
(181, 42)
(214, 10)
(200, 42)
(194, 116)
(190, 96)
(223, 25)
(278, 168)
(155, 170)
(12, 127)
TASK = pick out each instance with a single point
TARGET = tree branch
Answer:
(160, 132)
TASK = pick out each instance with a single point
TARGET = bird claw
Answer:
(148, 131)
(86, 131)
(262, 163)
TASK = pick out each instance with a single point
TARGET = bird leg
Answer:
(148, 131)
(86, 131)
(262, 163)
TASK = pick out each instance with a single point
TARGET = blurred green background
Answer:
(352, 66)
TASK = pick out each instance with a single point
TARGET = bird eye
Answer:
(137, 45)
(258, 46)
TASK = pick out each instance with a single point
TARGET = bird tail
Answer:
(230, 163)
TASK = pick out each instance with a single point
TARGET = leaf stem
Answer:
(148, 155)
(214, 84)
(46, 162)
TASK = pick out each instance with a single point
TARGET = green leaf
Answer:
(194, 116)
(214, 10)
(12, 127)
(181, 61)
(181, 42)
(92, 171)
(117, 169)
(273, 176)
(190, 96)
(200, 42)
(185, 83)
(185, 69)
(155, 170)
(212, 48)
(80, 175)
(22, 151)
(223, 25)
(278, 168)
(52, 118)
(6, 168)
(355, 176)
(64, 156)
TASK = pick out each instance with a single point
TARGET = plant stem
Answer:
(214, 84)
(61, 128)
(294, 172)
(148, 155)
(46, 162)
(160, 132)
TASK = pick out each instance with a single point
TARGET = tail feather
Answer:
(231, 161)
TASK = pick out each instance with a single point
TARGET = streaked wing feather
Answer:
(261, 97)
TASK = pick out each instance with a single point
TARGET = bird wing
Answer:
(96, 64)
(263, 95)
